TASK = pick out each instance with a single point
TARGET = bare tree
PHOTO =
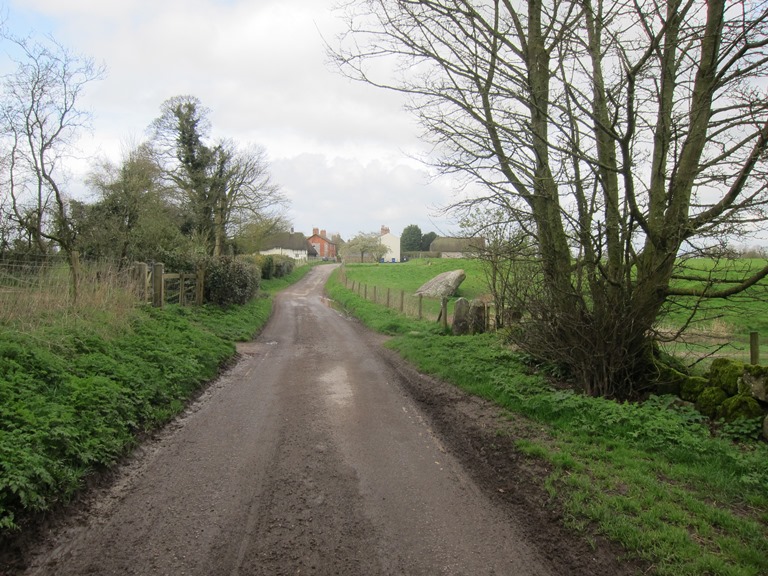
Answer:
(244, 191)
(223, 185)
(508, 260)
(41, 119)
(617, 133)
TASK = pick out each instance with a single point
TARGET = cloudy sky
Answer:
(340, 150)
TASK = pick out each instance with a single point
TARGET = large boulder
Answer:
(740, 406)
(460, 317)
(477, 312)
(725, 373)
(443, 285)
(710, 401)
(754, 381)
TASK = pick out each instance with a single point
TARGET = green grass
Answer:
(649, 476)
(75, 395)
(411, 275)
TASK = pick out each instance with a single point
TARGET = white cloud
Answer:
(338, 147)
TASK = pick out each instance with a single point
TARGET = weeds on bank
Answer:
(650, 476)
(74, 395)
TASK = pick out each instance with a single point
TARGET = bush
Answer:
(283, 266)
(229, 281)
(267, 267)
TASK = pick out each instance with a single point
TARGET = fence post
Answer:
(754, 348)
(374, 294)
(200, 285)
(387, 297)
(158, 285)
(444, 312)
(402, 300)
(182, 295)
(140, 270)
(365, 292)
(421, 297)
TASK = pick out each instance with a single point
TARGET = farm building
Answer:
(456, 247)
(324, 247)
(291, 244)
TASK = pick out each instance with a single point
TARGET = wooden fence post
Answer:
(421, 297)
(366, 292)
(754, 348)
(444, 312)
(182, 289)
(200, 286)
(140, 271)
(158, 285)
(387, 297)
(402, 300)
(374, 294)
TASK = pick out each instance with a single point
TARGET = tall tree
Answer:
(619, 133)
(222, 185)
(410, 240)
(41, 119)
(426, 240)
(132, 219)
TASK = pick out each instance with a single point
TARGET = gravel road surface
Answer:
(317, 453)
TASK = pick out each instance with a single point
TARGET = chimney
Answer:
(384, 230)
(315, 231)
(322, 233)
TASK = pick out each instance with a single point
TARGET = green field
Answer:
(655, 477)
(720, 327)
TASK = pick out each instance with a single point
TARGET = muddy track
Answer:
(321, 452)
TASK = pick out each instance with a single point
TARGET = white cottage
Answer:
(392, 242)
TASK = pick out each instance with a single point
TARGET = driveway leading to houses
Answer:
(319, 452)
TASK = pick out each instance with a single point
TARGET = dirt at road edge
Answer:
(482, 436)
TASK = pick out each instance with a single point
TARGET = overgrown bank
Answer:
(650, 476)
(75, 397)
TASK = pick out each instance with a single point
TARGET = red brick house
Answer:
(322, 245)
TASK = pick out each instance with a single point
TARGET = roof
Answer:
(285, 240)
(322, 238)
(456, 244)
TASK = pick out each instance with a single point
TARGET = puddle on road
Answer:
(338, 389)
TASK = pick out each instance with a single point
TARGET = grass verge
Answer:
(650, 476)
(75, 397)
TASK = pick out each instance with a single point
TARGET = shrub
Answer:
(267, 267)
(283, 266)
(229, 281)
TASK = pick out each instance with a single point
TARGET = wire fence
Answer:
(413, 305)
(36, 290)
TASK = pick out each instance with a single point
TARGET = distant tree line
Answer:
(412, 240)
